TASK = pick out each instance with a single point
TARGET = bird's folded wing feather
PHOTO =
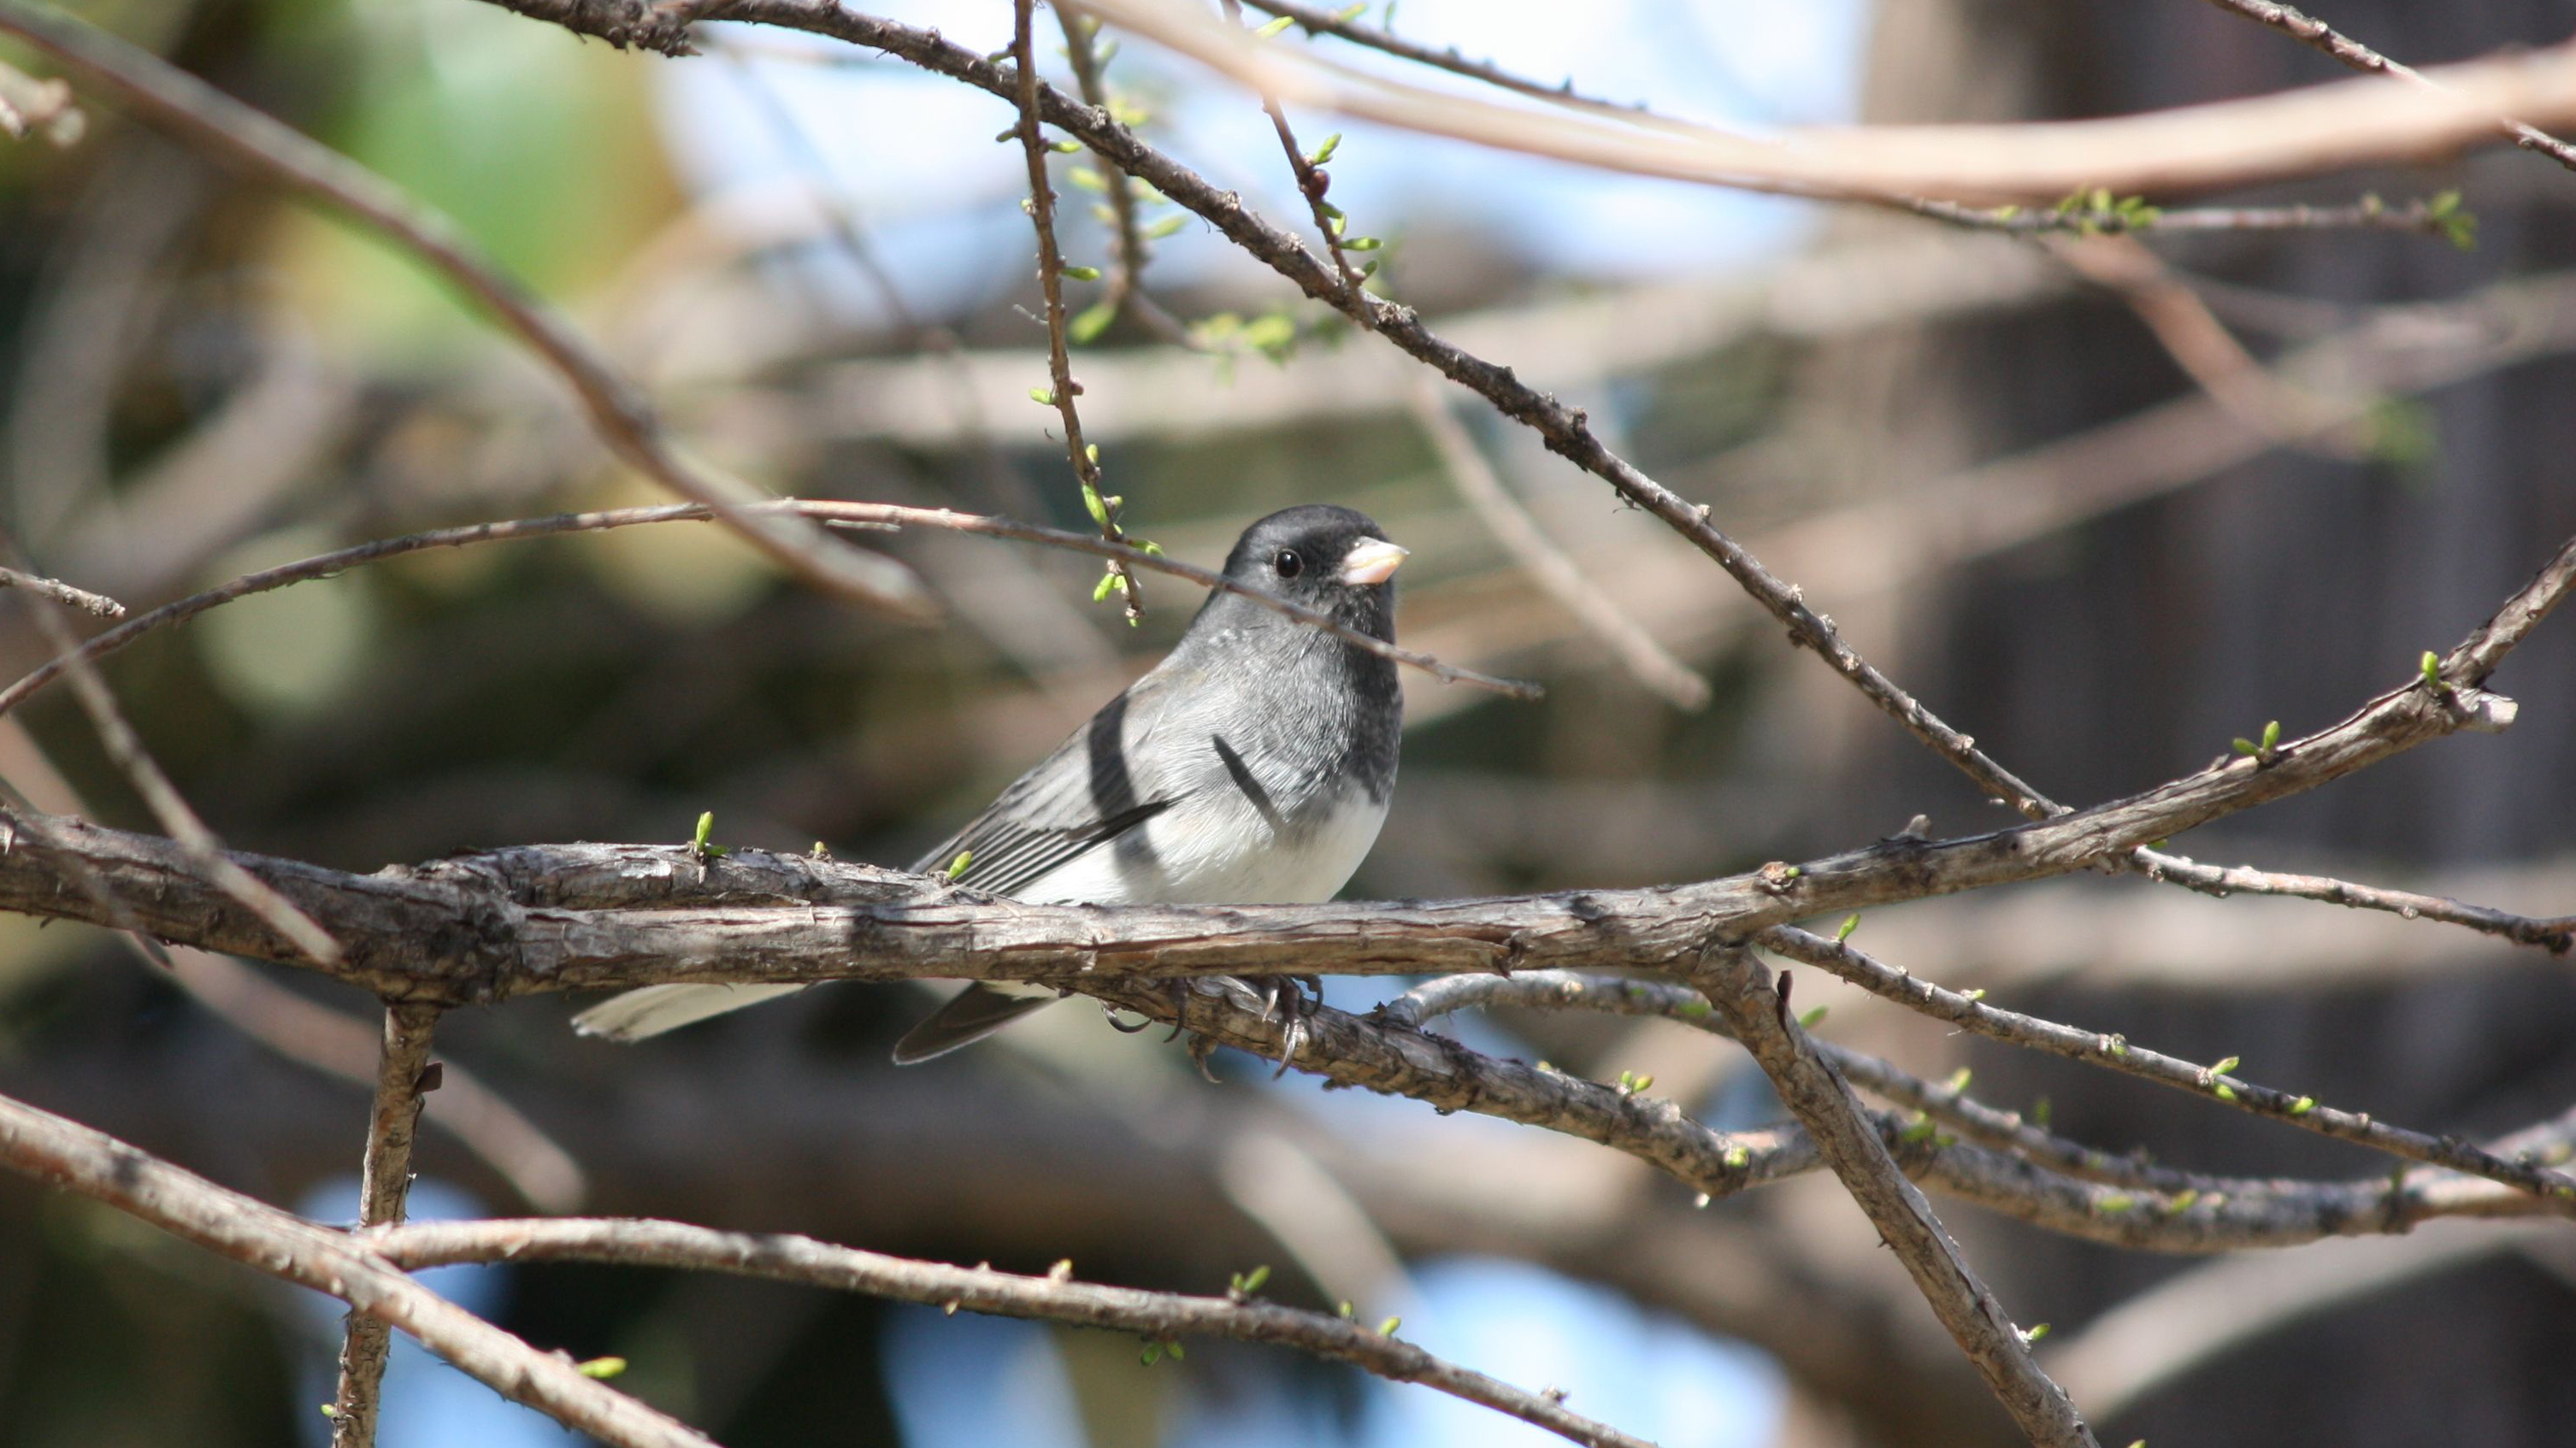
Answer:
(1083, 796)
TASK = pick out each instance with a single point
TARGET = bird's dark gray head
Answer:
(1329, 559)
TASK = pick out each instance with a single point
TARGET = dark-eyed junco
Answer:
(1252, 766)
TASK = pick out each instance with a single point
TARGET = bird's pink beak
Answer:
(1371, 560)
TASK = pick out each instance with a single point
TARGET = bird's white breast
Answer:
(1221, 851)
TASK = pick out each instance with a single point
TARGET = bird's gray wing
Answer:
(1084, 795)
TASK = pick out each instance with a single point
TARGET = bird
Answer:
(1253, 765)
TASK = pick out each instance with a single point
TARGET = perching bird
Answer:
(1252, 766)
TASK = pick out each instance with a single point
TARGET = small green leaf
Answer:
(2118, 1045)
(1085, 180)
(1107, 585)
(1349, 13)
(1324, 152)
(1345, 1308)
(2271, 735)
(1064, 148)
(1092, 504)
(1153, 1353)
(1388, 1327)
(2223, 1091)
(1693, 1010)
(1361, 243)
(1090, 322)
(1165, 227)
(1149, 547)
(2223, 1067)
(1973, 996)
(330, 1410)
(2182, 1201)
(1174, 1349)
(1042, 396)
(957, 867)
(2115, 1203)
(1083, 273)
(2432, 666)
(706, 827)
(1273, 28)
(1959, 1080)
(2034, 1332)
(1851, 923)
(1738, 1158)
(1809, 1020)
(2244, 746)
(1253, 1279)
(2303, 1106)
(601, 1368)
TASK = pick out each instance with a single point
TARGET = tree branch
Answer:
(403, 1073)
(1157, 1316)
(2114, 1052)
(1759, 1016)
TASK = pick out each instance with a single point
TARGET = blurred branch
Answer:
(73, 1157)
(1647, 661)
(196, 112)
(2075, 215)
(1157, 1316)
(2229, 143)
(1758, 1014)
(403, 1073)
(2321, 36)
(1127, 271)
(1062, 389)
(2217, 1308)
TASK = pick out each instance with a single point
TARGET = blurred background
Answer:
(1983, 465)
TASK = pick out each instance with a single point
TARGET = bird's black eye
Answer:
(1288, 563)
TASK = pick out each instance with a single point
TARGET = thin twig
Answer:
(2321, 36)
(1312, 182)
(1760, 1018)
(229, 1224)
(1156, 1316)
(2113, 1052)
(1103, 508)
(195, 111)
(1646, 659)
(878, 515)
(403, 1073)
(63, 593)
(2554, 935)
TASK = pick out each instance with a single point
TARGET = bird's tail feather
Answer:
(972, 1014)
(654, 1009)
